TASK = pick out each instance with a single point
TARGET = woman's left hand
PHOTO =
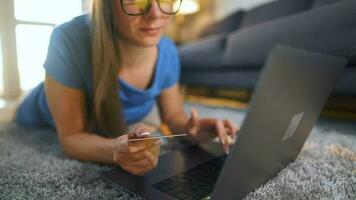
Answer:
(206, 129)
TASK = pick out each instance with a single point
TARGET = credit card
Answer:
(157, 137)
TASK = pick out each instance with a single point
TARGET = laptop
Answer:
(292, 90)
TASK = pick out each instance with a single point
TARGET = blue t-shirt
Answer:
(69, 62)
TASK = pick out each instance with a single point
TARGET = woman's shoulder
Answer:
(167, 48)
(168, 63)
(167, 43)
(75, 28)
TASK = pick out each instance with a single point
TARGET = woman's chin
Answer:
(148, 38)
(148, 41)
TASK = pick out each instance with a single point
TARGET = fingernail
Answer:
(227, 151)
(159, 141)
(145, 133)
(233, 141)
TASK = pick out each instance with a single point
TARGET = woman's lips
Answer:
(151, 31)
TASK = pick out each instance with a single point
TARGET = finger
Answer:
(146, 164)
(219, 126)
(148, 153)
(155, 142)
(139, 170)
(137, 146)
(138, 130)
(145, 129)
(133, 147)
(194, 117)
(133, 158)
(135, 131)
(195, 113)
(232, 128)
(133, 170)
(193, 122)
(147, 143)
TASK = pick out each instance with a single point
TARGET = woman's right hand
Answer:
(136, 157)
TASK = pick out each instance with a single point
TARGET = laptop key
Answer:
(195, 183)
(181, 195)
(165, 188)
(175, 190)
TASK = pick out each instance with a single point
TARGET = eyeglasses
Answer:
(140, 7)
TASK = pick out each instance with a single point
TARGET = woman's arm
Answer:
(170, 103)
(68, 110)
(201, 130)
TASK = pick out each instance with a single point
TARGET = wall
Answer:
(10, 79)
(226, 7)
(188, 28)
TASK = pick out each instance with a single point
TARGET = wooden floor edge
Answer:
(216, 102)
(234, 104)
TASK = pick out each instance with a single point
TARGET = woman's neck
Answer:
(132, 56)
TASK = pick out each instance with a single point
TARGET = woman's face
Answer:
(145, 30)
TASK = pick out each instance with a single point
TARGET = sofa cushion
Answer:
(223, 78)
(330, 30)
(274, 10)
(319, 3)
(346, 84)
(224, 26)
(205, 53)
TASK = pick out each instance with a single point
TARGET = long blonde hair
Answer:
(107, 108)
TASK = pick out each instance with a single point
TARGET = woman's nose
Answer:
(154, 11)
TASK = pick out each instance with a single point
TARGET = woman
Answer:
(105, 71)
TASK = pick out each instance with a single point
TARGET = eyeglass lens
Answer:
(140, 6)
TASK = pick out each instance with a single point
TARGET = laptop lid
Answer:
(288, 99)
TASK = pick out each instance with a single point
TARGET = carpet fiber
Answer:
(33, 166)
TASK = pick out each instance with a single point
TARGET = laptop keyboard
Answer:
(196, 183)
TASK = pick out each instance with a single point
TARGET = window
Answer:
(35, 21)
(1, 70)
(48, 11)
(32, 43)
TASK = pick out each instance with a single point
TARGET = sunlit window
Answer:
(1, 70)
(50, 11)
(32, 39)
(32, 43)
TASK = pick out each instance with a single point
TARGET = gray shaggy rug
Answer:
(33, 166)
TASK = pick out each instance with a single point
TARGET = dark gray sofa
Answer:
(232, 52)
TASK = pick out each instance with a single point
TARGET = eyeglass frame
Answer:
(149, 7)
